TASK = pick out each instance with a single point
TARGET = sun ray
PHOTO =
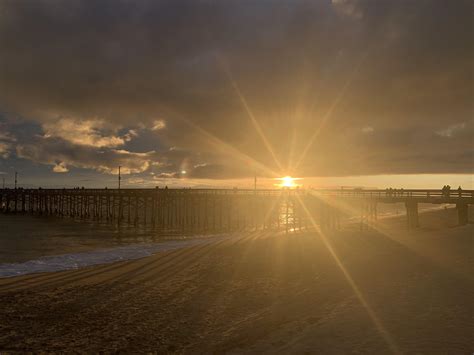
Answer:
(371, 313)
(231, 150)
(249, 112)
(409, 244)
(331, 109)
(298, 114)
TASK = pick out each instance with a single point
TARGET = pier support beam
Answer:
(412, 215)
(463, 215)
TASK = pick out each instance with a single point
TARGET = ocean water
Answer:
(41, 244)
(24, 237)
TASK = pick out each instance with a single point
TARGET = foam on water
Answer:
(96, 257)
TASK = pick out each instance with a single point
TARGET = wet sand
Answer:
(383, 291)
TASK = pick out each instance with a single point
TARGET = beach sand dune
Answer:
(384, 291)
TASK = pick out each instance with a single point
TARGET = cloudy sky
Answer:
(204, 92)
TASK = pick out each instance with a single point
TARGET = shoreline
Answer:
(107, 255)
(100, 256)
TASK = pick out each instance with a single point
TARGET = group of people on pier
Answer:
(394, 192)
(446, 190)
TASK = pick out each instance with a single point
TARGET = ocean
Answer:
(31, 244)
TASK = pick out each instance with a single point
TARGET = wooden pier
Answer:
(212, 210)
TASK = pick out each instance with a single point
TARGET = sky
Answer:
(211, 93)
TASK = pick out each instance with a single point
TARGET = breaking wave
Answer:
(97, 257)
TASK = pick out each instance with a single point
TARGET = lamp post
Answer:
(119, 177)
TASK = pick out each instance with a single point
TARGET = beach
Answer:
(385, 290)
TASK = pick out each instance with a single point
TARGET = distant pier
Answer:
(213, 210)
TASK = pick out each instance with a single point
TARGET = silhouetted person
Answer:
(448, 190)
(459, 191)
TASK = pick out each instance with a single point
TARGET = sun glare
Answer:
(287, 182)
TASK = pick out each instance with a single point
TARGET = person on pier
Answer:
(446, 191)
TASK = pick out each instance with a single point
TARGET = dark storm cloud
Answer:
(402, 68)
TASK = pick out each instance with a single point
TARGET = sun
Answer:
(287, 182)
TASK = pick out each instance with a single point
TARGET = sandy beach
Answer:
(385, 291)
